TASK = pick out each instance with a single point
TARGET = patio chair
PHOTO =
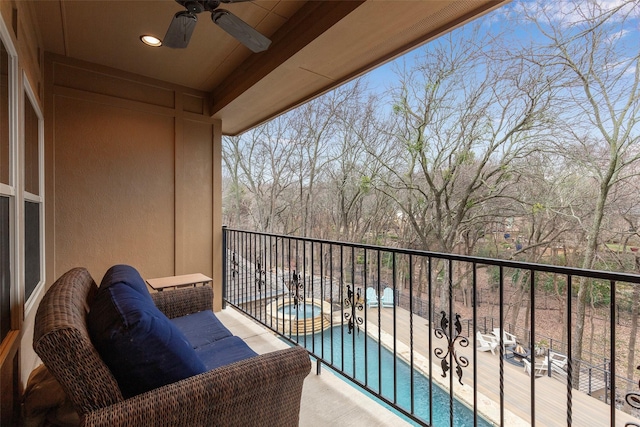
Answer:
(540, 368)
(486, 342)
(507, 338)
(372, 297)
(558, 362)
(387, 298)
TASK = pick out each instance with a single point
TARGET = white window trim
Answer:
(16, 292)
(7, 190)
(30, 95)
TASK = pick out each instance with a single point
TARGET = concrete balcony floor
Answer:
(326, 399)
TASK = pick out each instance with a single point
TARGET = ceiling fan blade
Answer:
(180, 30)
(239, 29)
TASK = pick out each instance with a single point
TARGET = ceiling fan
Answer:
(184, 22)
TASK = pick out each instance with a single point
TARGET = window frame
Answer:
(10, 190)
(30, 97)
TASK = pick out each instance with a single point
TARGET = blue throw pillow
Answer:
(139, 344)
(128, 275)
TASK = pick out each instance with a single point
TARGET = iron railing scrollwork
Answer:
(234, 266)
(353, 303)
(296, 289)
(443, 332)
(261, 275)
(633, 399)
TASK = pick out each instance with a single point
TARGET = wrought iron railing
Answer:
(413, 346)
(595, 367)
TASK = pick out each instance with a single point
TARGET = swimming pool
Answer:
(337, 349)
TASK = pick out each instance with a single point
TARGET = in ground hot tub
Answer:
(301, 311)
(311, 315)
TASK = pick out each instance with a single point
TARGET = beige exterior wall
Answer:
(132, 173)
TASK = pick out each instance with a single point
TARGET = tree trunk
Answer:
(592, 332)
(516, 305)
(517, 301)
(526, 321)
(635, 303)
(584, 286)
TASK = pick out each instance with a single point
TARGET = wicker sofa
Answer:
(261, 390)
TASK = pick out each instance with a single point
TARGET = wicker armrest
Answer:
(180, 302)
(263, 390)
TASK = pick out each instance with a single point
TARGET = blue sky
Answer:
(567, 13)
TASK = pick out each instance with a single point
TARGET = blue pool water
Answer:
(303, 311)
(332, 351)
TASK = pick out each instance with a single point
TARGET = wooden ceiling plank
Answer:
(313, 19)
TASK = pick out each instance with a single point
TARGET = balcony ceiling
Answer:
(316, 45)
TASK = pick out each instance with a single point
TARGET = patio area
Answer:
(328, 399)
(550, 392)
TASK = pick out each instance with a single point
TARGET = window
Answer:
(33, 211)
(4, 116)
(31, 247)
(5, 269)
(7, 188)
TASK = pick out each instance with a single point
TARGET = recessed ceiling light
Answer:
(151, 41)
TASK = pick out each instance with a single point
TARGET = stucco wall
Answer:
(132, 173)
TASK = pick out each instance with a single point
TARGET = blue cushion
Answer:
(224, 352)
(128, 275)
(139, 344)
(201, 328)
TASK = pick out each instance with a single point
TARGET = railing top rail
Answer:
(548, 268)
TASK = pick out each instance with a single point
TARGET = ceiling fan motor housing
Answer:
(198, 6)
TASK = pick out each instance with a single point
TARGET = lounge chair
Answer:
(387, 299)
(486, 342)
(540, 368)
(372, 297)
(507, 338)
(558, 362)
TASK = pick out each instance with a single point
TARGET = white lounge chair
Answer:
(486, 342)
(540, 368)
(558, 362)
(387, 298)
(372, 297)
(508, 339)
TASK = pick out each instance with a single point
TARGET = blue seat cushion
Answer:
(224, 351)
(201, 328)
(138, 343)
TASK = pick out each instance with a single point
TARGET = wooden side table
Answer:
(176, 282)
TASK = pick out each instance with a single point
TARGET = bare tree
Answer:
(316, 124)
(599, 86)
(356, 207)
(462, 120)
(260, 165)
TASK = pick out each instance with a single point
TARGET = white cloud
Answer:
(574, 12)
(617, 36)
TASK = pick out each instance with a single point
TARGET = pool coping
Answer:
(490, 410)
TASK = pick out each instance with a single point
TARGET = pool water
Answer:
(337, 339)
(303, 311)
